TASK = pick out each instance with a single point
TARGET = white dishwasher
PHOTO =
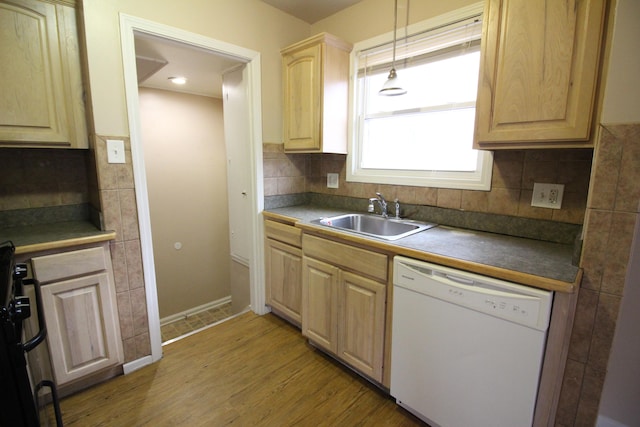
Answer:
(466, 349)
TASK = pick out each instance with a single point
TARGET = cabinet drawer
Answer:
(368, 263)
(69, 264)
(283, 233)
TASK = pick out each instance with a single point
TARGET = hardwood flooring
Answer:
(248, 371)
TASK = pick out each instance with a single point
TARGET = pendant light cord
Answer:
(395, 28)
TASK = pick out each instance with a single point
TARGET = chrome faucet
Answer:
(382, 202)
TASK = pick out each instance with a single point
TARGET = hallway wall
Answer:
(185, 159)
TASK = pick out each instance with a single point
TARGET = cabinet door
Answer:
(538, 73)
(284, 279)
(41, 87)
(362, 319)
(320, 303)
(302, 77)
(83, 330)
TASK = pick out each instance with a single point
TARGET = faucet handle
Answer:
(397, 208)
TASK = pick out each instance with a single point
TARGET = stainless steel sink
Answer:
(375, 226)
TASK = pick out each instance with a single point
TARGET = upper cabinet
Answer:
(316, 95)
(538, 73)
(41, 90)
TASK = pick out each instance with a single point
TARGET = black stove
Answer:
(24, 394)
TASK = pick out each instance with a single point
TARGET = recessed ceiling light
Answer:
(178, 80)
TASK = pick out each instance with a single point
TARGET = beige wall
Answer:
(250, 24)
(185, 160)
(370, 18)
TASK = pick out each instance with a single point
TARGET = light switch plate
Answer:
(115, 151)
(547, 195)
(332, 180)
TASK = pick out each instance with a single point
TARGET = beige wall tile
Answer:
(583, 325)
(143, 345)
(134, 264)
(508, 172)
(597, 227)
(476, 201)
(129, 214)
(617, 252)
(270, 186)
(587, 413)
(504, 201)
(129, 347)
(110, 202)
(628, 190)
(527, 211)
(451, 199)
(291, 185)
(605, 174)
(119, 262)
(603, 330)
(570, 394)
(125, 315)
(139, 311)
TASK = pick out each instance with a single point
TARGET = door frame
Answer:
(128, 25)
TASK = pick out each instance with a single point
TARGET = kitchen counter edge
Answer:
(300, 216)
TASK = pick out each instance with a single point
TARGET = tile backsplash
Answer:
(514, 173)
(42, 178)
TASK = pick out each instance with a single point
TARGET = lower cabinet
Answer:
(283, 270)
(80, 311)
(343, 312)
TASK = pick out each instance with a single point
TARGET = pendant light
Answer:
(392, 86)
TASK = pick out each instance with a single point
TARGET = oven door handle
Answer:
(42, 328)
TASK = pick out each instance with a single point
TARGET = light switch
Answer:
(115, 151)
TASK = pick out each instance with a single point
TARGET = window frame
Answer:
(477, 180)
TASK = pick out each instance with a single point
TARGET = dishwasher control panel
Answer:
(517, 303)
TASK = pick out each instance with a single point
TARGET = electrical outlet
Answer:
(547, 195)
(332, 180)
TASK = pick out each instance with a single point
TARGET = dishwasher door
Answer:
(466, 349)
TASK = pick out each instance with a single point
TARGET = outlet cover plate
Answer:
(547, 195)
(332, 180)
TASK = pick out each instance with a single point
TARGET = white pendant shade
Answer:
(392, 86)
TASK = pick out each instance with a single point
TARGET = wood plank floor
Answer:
(248, 371)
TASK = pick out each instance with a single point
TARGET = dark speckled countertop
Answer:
(531, 262)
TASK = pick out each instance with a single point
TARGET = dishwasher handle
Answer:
(461, 280)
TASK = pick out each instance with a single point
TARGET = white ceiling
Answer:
(157, 59)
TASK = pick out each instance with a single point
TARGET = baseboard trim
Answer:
(195, 310)
(134, 365)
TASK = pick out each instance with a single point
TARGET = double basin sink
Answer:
(374, 226)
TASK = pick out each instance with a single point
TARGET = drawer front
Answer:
(63, 265)
(283, 233)
(371, 264)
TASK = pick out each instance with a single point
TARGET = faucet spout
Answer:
(382, 202)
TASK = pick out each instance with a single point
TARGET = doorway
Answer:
(186, 171)
(250, 167)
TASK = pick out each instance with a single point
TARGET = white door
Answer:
(239, 172)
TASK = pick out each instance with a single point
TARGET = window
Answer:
(424, 137)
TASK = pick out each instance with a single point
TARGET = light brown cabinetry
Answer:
(316, 94)
(41, 89)
(80, 311)
(344, 292)
(538, 73)
(283, 262)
